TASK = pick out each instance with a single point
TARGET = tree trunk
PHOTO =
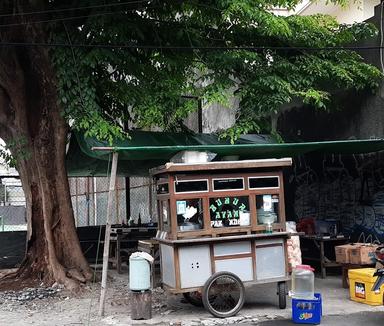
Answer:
(32, 125)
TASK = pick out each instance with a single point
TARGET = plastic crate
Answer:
(307, 311)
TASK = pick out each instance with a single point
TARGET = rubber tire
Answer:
(193, 300)
(282, 292)
(206, 287)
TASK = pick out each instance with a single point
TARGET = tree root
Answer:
(30, 275)
(75, 274)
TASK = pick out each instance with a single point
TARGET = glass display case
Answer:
(220, 201)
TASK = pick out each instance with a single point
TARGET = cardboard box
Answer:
(362, 253)
(343, 253)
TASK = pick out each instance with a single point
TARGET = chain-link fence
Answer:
(89, 201)
(12, 205)
(90, 196)
(143, 199)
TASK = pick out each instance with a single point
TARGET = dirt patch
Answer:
(10, 282)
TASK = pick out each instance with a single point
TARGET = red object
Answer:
(306, 267)
(380, 253)
(306, 225)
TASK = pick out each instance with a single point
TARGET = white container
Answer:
(139, 273)
(191, 157)
(303, 282)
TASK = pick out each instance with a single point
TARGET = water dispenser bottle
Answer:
(303, 282)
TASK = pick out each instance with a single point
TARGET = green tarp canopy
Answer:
(146, 150)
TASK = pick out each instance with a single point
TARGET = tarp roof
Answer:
(146, 150)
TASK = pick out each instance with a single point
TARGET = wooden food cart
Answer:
(222, 224)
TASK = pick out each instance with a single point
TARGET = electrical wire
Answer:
(189, 48)
(54, 20)
(74, 8)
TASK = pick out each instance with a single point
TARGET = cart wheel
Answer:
(223, 294)
(194, 298)
(282, 292)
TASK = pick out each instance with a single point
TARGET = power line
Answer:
(69, 18)
(188, 48)
(57, 19)
(73, 8)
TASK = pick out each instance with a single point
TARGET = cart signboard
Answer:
(226, 211)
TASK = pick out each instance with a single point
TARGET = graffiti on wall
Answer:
(347, 188)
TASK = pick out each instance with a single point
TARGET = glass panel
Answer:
(229, 211)
(162, 188)
(264, 182)
(191, 186)
(228, 184)
(165, 212)
(267, 209)
(190, 215)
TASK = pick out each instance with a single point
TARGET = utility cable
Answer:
(48, 11)
(54, 20)
(188, 48)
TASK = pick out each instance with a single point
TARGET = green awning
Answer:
(146, 150)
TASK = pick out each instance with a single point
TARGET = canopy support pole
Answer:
(112, 185)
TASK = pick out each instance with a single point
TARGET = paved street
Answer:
(374, 318)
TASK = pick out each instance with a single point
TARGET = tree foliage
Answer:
(102, 87)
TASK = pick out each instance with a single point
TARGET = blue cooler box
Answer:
(307, 311)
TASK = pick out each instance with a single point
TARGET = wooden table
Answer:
(320, 242)
(125, 240)
(149, 246)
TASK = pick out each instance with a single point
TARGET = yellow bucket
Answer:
(360, 284)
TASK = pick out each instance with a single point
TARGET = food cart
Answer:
(222, 224)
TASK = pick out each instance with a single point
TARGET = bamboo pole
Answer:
(112, 184)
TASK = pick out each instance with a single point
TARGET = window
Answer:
(229, 211)
(190, 214)
(162, 189)
(267, 209)
(164, 212)
(263, 182)
(186, 186)
(228, 184)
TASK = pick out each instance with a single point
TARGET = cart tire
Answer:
(194, 298)
(223, 294)
(282, 292)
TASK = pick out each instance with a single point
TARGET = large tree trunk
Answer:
(32, 125)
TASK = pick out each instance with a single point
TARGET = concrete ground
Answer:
(368, 318)
(260, 306)
(261, 303)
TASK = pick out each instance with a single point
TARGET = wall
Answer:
(358, 115)
(348, 188)
(217, 116)
(343, 187)
(354, 12)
